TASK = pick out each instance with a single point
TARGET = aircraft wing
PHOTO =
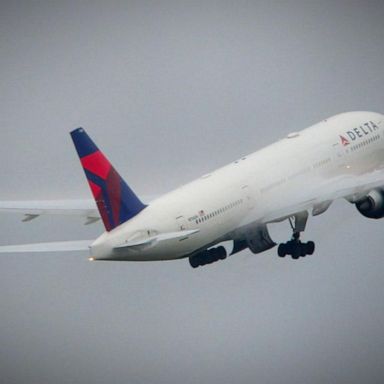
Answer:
(59, 246)
(317, 198)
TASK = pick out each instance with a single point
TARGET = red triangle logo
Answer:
(344, 141)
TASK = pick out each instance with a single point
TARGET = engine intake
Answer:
(372, 206)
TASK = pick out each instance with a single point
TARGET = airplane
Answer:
(341, 157)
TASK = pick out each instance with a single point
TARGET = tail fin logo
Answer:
(116, 202)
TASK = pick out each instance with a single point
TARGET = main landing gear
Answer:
(295, 247)
(207, 257)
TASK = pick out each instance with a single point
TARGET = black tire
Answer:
(194, 262)
(310, 247)
(303, 249)
(296, 252)
(210, 258)
(221, 253)
(290, 247)
(282, 250)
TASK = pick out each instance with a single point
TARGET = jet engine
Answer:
(372, 205)
(258, 240)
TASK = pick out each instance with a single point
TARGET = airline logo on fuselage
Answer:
(344, 141)
(359, 132)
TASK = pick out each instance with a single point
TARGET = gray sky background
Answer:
(170, 91)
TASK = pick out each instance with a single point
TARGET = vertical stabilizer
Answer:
(117, 203)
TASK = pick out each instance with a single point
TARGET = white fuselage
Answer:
(242, 194)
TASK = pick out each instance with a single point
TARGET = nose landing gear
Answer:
(295, 247)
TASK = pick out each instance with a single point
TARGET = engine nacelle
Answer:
(372, 205)
(258, 240)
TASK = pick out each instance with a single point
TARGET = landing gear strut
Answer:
(295, 247)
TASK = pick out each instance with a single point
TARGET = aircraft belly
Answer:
(164, 250)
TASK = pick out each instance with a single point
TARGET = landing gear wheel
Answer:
(194, 262)
(310, 247)
(296, 252)
(282, 250)
(296, 248)
(208, 256)
(221, 252)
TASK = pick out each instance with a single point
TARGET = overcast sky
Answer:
(171, 90)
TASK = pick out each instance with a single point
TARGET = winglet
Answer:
(117, 203)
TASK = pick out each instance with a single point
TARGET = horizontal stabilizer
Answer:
(58, 246)
(157, 238)
(32, 209)
(35, 208)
